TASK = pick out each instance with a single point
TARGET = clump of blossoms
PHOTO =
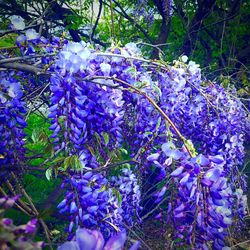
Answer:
(141, 10)
(201, 207)
(81, 110)
(127, 186)
(87, 202)
(16, 237)
(100, 101)
(85, 108)
(208, 186)
(203, 191)
(12, 120)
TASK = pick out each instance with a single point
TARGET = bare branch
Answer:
(24, 67)
(97, 20)
(20, 58)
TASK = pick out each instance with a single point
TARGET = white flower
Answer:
(181, 71)
(31, 34)
(184, 59)
(17, 22)
(105, 68)
(132, 48)
(84, 54)
(193, 67)
(2, 98)
(74, 47)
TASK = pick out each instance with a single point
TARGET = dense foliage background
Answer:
(214, 34)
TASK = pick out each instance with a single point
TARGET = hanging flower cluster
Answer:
(88, 203)
(81, 110)
(141, 10)
(190, 130)
(12, 121)
(127, 185)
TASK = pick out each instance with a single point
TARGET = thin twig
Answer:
(129, 18)
(16, 204)
(37, 97)
(113, 165)
(137, 236)
(22, 203)
(154, 209)
(35, 211)
(240, 243)
(162, 66)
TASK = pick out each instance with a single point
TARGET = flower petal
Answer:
(85, 239)
(116, 242)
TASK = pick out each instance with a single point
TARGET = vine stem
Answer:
(23, 204)
(137, 236)
(138, 91)
(34, 210)
(17, 205)
(112, 20)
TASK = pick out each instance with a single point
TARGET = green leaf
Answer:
(67, 162)
(117, 195)
(7, 42)
(77, 163)
(98, 138)
(58, 160)
(48, 174)
(106, 138)
(35, 136)
(191, 147)
(73, 162)
(148, 133)
(158, 123)
(48, 149)
(39, 135)
(123, 150)
(157, 90)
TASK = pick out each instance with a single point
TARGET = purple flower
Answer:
(89, 240)
(153, 157)
(218, 159)
(170, 151)
(11, 129)
(70, 245)
(73, 207)
(161, 192)
(93, 240)
(74, 47)
(177, 171)
(20, 40)
(202, 160)
(210, 176)
(30, 227)
(185, 178)
(135, 246)
(116, 242)
(7, 221)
